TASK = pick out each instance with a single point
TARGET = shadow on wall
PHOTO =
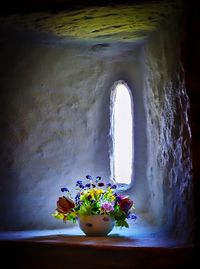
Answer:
(55, 123)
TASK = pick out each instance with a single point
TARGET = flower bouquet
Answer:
(97, 207)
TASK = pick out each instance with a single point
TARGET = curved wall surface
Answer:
(55, 98)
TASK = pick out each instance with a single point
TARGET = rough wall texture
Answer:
(191, 59)
(55, 116)
(55, 96)
(110, 22)
(169, 136)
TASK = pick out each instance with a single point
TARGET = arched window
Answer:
(121, 131)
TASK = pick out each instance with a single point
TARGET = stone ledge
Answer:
(80, 251)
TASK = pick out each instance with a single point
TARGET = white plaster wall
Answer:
(55, 97)
(169, 169)
(55, 122)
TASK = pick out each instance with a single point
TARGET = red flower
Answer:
(64, 205)
(125, 204)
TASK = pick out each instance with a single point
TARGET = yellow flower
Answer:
(112, 197)
(93, 193)
(98, 191)
(74, 214)
(109, 195)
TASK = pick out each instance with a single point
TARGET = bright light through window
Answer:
(122, 134)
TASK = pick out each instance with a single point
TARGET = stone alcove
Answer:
(57, 72)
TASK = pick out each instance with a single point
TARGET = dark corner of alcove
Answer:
(59, 62)
(190, 58)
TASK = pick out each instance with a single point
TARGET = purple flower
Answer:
(114, 186)
(64, 189)
(88, 177)
(109, 185)
(79, 184)
(118, 198)
(132, 216)
(87, 185)
(107, 207)
(98, 178)
(77, 197)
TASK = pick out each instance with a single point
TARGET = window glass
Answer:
(122, 134)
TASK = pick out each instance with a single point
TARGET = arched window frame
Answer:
(120, 185)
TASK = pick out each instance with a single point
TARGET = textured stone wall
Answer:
(191, 58)
(169, 136)
(55, 97)
(55, 121)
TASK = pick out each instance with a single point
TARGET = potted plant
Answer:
(97, 207)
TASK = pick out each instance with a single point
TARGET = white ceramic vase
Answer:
(96, 225)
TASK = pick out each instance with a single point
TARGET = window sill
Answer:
(69, 248)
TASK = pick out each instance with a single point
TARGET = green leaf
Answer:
(85, 210)
(121, 223)
(57, 215)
